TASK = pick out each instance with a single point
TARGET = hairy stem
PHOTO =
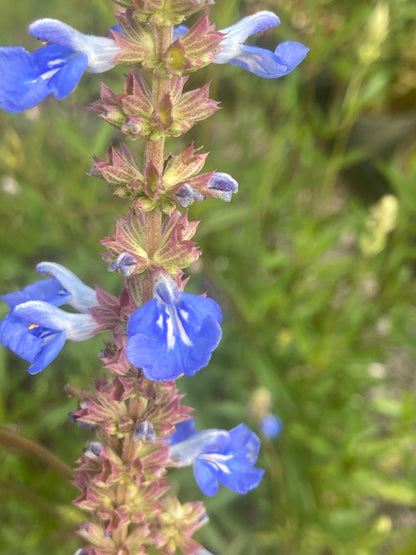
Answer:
(155, 154)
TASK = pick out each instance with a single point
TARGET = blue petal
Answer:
(48, 59)
(256, 23)
(167, 341)
(49, 352)
(166, 292)
(260, 61)
(78, 327)
(159, 362)
(119, 30)
(143, 318)
(40, 314)
(21, 84)
(15, 335)
(291, 54)
(54, 31)
(199, 306)
(244, 444)
(179, 32)
(68, 77)
(79, 295)
(184, 430)
(242, 482)
(237, 34)
(49, 290)
(100, 51)
(206, 477)
(186, 452)
(234, 463)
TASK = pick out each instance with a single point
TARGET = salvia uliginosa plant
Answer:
(154, 330)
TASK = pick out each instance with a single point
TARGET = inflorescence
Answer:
(156, 332)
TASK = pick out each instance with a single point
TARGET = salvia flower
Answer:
(174, 333)
(26, 79)
(260, 61)
(217, 456)
(35, 329)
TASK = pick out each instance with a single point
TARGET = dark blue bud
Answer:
(125, 264)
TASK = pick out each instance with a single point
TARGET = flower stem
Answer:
(155, 154)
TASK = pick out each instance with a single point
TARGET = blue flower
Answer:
(270, 425)
(260, 61)
(28, 78)
(217, 456)
(77, 294)
(174, 333)
(35, 329)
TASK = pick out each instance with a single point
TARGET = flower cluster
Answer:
(156, 332)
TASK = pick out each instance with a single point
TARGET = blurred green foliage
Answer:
(318, 290)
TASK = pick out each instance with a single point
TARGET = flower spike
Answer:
(174, 333)
(26, 79)
(217, 456)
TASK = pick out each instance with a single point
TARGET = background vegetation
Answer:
(313, 262)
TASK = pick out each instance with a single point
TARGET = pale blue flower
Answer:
(35, 329)
(217, 456)
(260, 61)
(56, 68)
(174, 333)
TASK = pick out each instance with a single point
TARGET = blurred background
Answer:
(313, 262)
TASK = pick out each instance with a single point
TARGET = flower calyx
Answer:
(193, 49)
(165, 12)
(135, 115)
(135, 40)
(126, 249)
